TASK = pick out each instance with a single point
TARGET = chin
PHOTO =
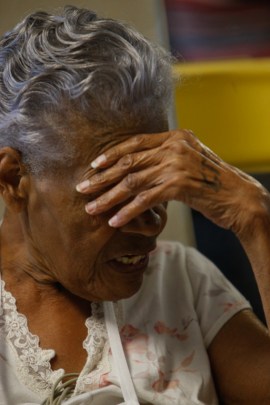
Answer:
(116, 291)
(126, 292)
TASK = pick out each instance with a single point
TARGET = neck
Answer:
(20, 271)
(12, 242)
(55, 315)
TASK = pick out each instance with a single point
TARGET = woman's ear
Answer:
(12, 179)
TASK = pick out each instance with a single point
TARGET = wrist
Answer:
(257, 217)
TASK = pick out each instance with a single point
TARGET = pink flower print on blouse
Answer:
(169, 382)
(147, 365)
(162, 384)
(133, 339)
(166, 384)
(218, 290)
(162, 329)
(166, 381)
(228, 306)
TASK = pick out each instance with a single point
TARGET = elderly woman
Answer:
(93, 311)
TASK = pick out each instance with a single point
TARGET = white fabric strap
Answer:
(1, 292)
(119, 358)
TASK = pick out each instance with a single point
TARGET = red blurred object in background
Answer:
(206, 30)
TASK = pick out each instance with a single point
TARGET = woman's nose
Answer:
(149, 223)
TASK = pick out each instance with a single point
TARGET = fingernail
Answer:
(83, 185)
(91, 207)
(113, 222)
(98, 161)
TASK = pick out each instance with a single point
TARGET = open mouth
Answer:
(130, 259)
(130, 262)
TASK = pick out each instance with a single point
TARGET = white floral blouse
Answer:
(165, 330)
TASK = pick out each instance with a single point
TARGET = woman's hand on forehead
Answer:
(149, 169)
(130, 169)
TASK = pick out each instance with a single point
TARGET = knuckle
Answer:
(143, 199)
(139, 140)
(131, 181)
(101, 202)
(177, 183)
(180, 179)
(98, 178)
(178, 147)
(175, 179)
(126, 162)
(188, 133)
(182, 147)
(178, 165)
(179, 133)
(174, 133)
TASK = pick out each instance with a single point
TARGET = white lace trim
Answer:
(33, 363)
(94, 344)
(97, 345)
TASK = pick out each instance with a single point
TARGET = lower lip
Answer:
(130, 267)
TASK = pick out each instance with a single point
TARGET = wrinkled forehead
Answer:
(90, 138)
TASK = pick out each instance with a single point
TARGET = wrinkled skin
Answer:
(65, 245)
(149, 169)
(153, 168)
(55, 255)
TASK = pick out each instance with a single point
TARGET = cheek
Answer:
(61, 230)
(83, 273)
(78, 255)
(84, 237)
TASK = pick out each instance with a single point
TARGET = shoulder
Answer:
(196, 283)
(188, 262)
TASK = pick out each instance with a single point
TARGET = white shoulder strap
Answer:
(118, 355)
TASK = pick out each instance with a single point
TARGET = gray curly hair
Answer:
(53, 66)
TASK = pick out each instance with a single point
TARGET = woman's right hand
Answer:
(149, 169)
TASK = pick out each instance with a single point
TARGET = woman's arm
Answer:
(150, 169)
(240, 361)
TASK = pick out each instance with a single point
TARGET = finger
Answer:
(142, 202)
(131, 185)
(179, 157)
(131, 178)
(146, 200)
(127, 164)
(172, 142)
(135, 143)
(175, 184)
(139, 143)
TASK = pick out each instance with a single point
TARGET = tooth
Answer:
(129, 259)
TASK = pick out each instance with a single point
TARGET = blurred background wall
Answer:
(223, 94)
(147, 15)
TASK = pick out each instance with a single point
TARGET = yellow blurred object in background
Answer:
(227, 105)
